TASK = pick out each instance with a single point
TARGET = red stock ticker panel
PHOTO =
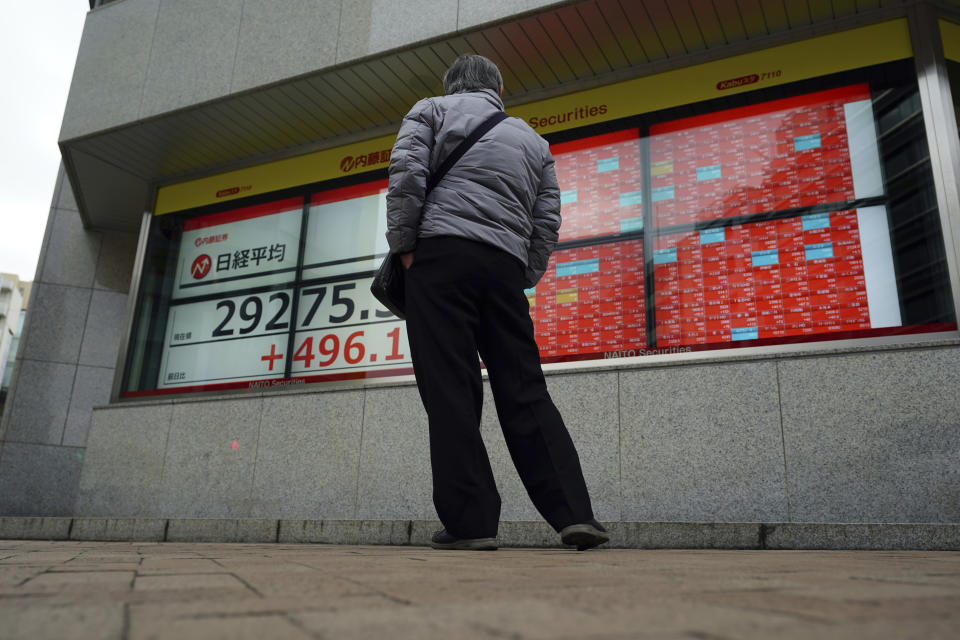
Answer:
(590, 300)
(774, 279)
(600, 181)
(772, 156)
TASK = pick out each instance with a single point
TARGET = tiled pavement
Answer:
(124, 590)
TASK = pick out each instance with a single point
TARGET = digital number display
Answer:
(238, 284)
(347, 231)
(341, 326)
(219, 340)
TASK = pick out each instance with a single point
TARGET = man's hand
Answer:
(406, 259)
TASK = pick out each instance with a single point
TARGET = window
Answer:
(799, 213)
(806, 216)
(264, 295)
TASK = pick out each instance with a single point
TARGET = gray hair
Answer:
(472, 72)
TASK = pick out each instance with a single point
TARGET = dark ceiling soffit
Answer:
(382, 56)
(118, 197)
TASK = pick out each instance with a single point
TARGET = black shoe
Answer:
(443, 540)
(585, 535)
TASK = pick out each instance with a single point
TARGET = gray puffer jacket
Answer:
(503, 191)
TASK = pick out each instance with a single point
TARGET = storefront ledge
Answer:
(221, 530)
(623, 535)
(35, 528)
(625, 363)
(685, 535)
(377, 532)
(234, 394)
(899, 537)
(119, 529)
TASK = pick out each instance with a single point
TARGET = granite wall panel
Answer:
(123, 465)
(308, 456)
(588, 404)
(372, 26)
(210, 458)
(873, 437)
(474, 14)
(702, 443)
(38, 480)
(192, 56)
(394, 478)
(72, 251)
(108, 79)
(105, 324)
(285, 38)
(118, 252)
(91, 387)
(39, 408)
(58, 316)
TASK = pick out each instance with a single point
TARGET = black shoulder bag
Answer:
(388, 283)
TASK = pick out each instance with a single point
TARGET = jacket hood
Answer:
(487, 94)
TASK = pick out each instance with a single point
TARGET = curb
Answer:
(623, 535)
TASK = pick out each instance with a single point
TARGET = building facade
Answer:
(751, 315)
(14, 297)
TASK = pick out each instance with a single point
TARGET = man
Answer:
(470, 247)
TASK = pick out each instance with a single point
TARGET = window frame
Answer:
(643, 122)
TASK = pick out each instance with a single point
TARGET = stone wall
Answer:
(855, 437)
(66, 359)
(142, 58)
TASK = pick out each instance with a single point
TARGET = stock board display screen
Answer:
(228, 300)
(590, 300)
(600, 181)
(248, 310)
(794, 264)
(790, 277)
(784, 154)
(749, 235)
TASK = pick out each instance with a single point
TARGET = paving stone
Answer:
(13, 575)
(39, 557)
(319, 586)
(161, 566)
(334, 591)
(233, 628)
(189, 582)
(66, 581)
(93, 622)
(223, 608)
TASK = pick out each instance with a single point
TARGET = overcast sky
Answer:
(38, 48)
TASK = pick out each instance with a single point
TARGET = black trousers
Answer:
(465, 297)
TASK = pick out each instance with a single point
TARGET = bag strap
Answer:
(462, 148)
